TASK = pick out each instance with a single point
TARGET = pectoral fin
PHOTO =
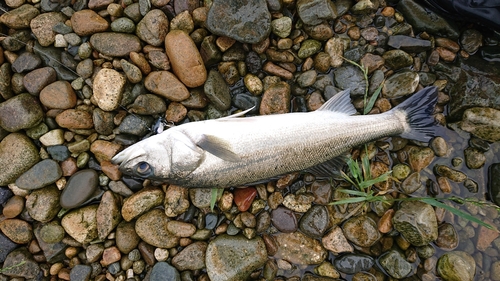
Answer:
(218, 148)
(329, 168)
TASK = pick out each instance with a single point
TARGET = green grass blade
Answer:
(365, 161)
(381, 178)
(349, 200)
(455, 211)
(347, 178)
(373, 99)
(353, 192)
(213, 197)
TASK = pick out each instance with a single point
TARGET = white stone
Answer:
(54, 137)
(60, 42)
(108, 89)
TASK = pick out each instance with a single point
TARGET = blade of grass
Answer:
(349, 200)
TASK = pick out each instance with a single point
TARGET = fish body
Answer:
(234, 151)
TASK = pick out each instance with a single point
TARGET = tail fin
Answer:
(419, 109)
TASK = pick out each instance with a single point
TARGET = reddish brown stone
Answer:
(243, 198)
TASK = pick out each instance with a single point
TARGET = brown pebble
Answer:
(69, 167)
(64, 274)
(446, 54)
(111, 170)
(444, 184)
(13, 207)
(19, 231)
(274, 69)
(147, 253)
(59, 95)
(448, 44)
(104, 150)
(354, 33)
(388, 12)
(140, 61)
(372, 62)
(224, 43)
(385, 222)
(87, 22)
(276, 99)
(110, 255)
(165, 84)
(315, 101)
(75, 119)
(37, 79)
(175, 112)
(270, 243)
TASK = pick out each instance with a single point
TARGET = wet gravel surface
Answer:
(82, 80)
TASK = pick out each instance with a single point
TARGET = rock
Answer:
(175, 112)
(25, 62)
(493, 182)
(51, 232)
(474, 158)
(6, 246)
(412, 183)
(400, 84)
(298, 202)
(482, 122)
(471, 40)
(192, 257)
(20, 112)
(42, 174)
(58, 95)
(335, 241)
(439, 146)
(13, 207)
(108, 89)
(79, 188)
(245, 21)
(88, 22)
(17, 155)
(284, 220)
(20, 17)
(185, 58)
(141, 202)
(282, 26)
(243, 198)
(165, 84)
(176, 200)
(115, 44)
(80, 272)
(164, 271)
(20, 263)
(104, 150)
(108, 214)
(126, 237)
(37, 79)
(353, 263)
(419, 157)
(136, 125)
(416, 221)
(75, 119)
(397, 59)
(334, 47)
(362, 231)
(409, 44)
(152, 229)
(234, 258)
(395, 264)
(42, 27)
(217, 91)
(308, 48)
(181, 229)
(424, 19)
(313, 12)
(455, 266)
(350, 77)
(276, 99)
(153, 27)
(299, 249)
(17, 230)
(454, 175)
(315, 221)
(447, 237)
(81, 224)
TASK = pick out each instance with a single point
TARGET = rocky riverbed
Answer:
(81, 80)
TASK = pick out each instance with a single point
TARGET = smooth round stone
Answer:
(52, 232)
(350, 76)
(123, 24)
(185, 58)
(79, 188)
(17, 155)
(298, 248)
(412, 183)
(53, 137)
(454, 175)
(234, 258)
(115, 44)
(284, 220)
(153, 27)
(447, 237)
(37, 79)
(200, 197)
(400, 84)
(136, 125)
(108, 214)
(152, 229)
(282, 26)
(167, 85)
(20, 17)
(26, 62)
(13, 207)
(17, 230)
(59, 95)
(419, 157)
(103, 121)
(353, 263)
(474, 158)
(307, 78)
(362, 231)
(192, 257)
(315, 221)
(217, 91)
(132, 72)
(141, 202)
(88, 22)
(126, 237)
(416, 221)
(43, 204)
(81, 224)
(108, 89)
(335, 242)
(75, 119)
(313, 12)
(59, 152)
(397, 59)
(20, 112)
(42, 174)
(439, 146)
(456, 265)
(395, 264)
(401, 171)
(483, 122)
(7, 246)
(164, 271)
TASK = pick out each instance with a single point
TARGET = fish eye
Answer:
(143, 169)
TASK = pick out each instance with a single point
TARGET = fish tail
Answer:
(419, 109)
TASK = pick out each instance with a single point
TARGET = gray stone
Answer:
(115, 44)
(20, 263)
(79, 188)
(315, 221)
(42, 174)
(80, 272)
(217, 91)
(20, 112)
(494, 182)
(353, 263)
(164, 271)
(313, 12)
(350, 77)
(395, 264)
(43, 204)
(409, 44)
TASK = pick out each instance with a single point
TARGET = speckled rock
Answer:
(395, 264)
(141, 202)
(115, 44)
(400, 84)
(456, 266)
(164, 271)
(88, 22)
(276, 99)
(17, 155)
(108, 214)
(165, 84)
(75, 119)
(353, 263)
(20, 263)
(19, 231)
(43, 204)
(482, 122)
(362, 231)
(217, 91)
(42, 27)
(37, 79)
(245, 21)
(40, 175)
(108, 89)
(20, 17)
(176, 200)
(20, 112)
(153, 27)
(126, 237)
(192, 257)
(297, 248)
(58, 95)
(81, 224)
(313, 12)
(152, 229)
(335, 241)
(233, 258)
(416, 221)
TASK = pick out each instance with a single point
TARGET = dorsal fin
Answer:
(340, 103)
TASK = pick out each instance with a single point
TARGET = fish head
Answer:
(169, 157)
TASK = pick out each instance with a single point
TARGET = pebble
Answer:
(13, 207)
(20, 263)
(20, 17)
(395, 264)
(217, 91)
(336, 242)
(284, 220)
(79, 188)
(75, 119)
(276, 99)
(164, 271)
(80, 272)
(416, 221)
(176, 200)
(43, 204)
(350, 77)
(126, 238)
(19, 231)
(52, 232)
(181, 229)
(185, 59)
(243, 198)
(191, 257)
(315, 11)
(88, 22)
(230, 18)
(123, 24)
(58, 95)
(298, 248)
(81, 224)
(151, 227)
(141, 202)
(454, 175)
(35, 80)
(115, 44)
(362, 231)
(419, 157)
(153, 27)
(108, 89)
(108, 214)
(165, 84)
(58, 152)
(400, 84)
(234, 258)
(397, 59)
(282, 26)
(104, 150)
(353, 263)
(20, 112)
(315, 221)
(17, 155)
(40, 175)
(447, 237)
(42, 27)
(132, 72)
(456, 265)
(300, 203)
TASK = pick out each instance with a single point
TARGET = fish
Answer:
(235, 151)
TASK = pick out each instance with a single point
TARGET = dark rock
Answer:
(315, 221)
(395, 264)
(26, 62)
(353, 263)
(42, 174)
(409, 44)
(79, 188)
(313, 12)
(136, 125)
(80, 272)
(164, 271)
(6, 246)
(494, 182)
(284, 219)
(20, 112)
(20, 263)
(59, 152)
(350, 77)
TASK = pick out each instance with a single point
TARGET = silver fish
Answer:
(234, 151)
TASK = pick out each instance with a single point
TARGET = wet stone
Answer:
(284, 220)
(409, 44)
(454, 175)
(40, 175)
(400, 84)
(494, 185)
(17, 155)
(80, 272)
(308, 48)
(282, 26)
(315, 221)
(456, 265)
(474, 158)
(164, 271)
(313, 12)
(395, 264)
(362, 231)
(136, 125)
(299, 249)
(416, 221)
(412, 183)
(20, 112)
(347, 76)
(234, 257)
(335, 241)
(58, 152)
(353, 263)
(276, 99)
(447, 237)
(397, 59)
(79, 188)
(192, 257)
(245, 21)
(148, 104)
(419, 157)
(482, 122)
(217, 91)
(244, 197)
